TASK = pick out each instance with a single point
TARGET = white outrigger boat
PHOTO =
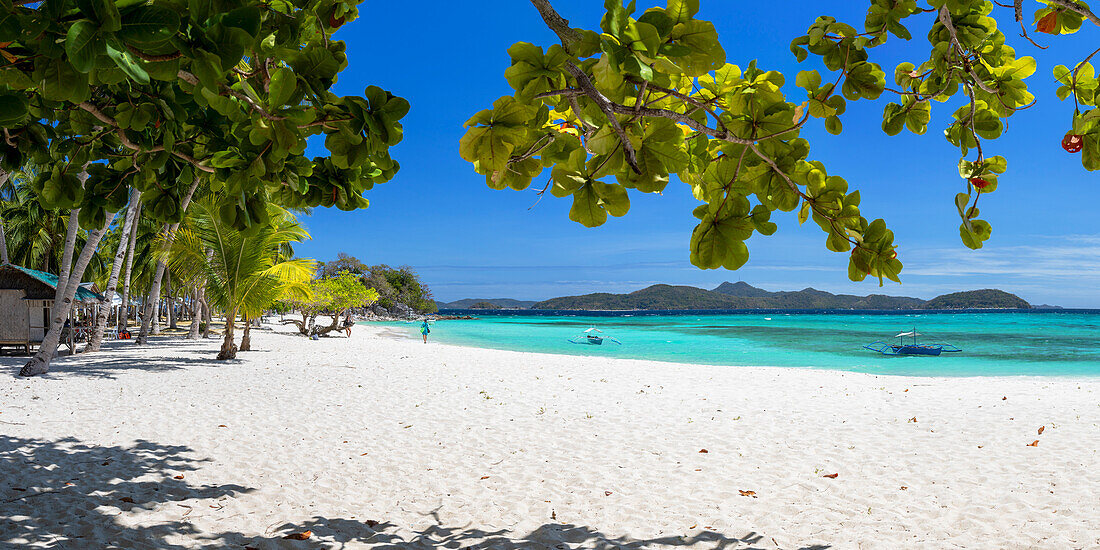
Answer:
(592, 337)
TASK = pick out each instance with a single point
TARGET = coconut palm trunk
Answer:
(196, 314)
(67, 284)
(3, 243)
(124, 314)
(207, 316)
(4, 175)
(246, 339)
(96, 339)
(154, 292)
(229, 349)
(171, 301)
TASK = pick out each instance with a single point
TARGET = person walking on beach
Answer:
(424, 330)
(348, 323)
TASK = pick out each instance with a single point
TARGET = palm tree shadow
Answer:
(550, 536)
(120, 356)
(68, 494)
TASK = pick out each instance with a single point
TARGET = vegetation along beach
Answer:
(554, 274)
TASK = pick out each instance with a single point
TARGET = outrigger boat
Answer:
(911, 348)
(590, 337)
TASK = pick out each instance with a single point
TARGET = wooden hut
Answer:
(26, 297)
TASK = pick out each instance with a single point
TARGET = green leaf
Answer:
(59, 81)
(975, 236)
(128, 63)
(613, 198)
(833, 125)
(10, 25)
(13, 108)
(246, 18)
(707, 53)
(586, 208)
(918, 117)
(494, 134)
(282, 86)
(104, 12)
(82, 44)
(682, 10)
(808, 79)
(148, 25)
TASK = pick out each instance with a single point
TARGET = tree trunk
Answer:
(207, 317)
(196, 314)
(67, 284)
(158, 304)
(116, 266)
(171, 301)
(334, 325)
(246, 340)
(146, 320)
(229, 349)
(3, 243)
(124, 314)
(4, 175)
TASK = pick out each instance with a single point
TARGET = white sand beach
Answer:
(377, 442)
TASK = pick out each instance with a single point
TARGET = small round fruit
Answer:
(1073, 143)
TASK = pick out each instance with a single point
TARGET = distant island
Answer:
(497, 303)
(742, 295)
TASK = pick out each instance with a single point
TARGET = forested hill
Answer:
(472, 303)
(744, 296)
(989, 298)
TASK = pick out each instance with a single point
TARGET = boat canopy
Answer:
(908, 334)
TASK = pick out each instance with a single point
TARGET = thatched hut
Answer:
(26, 297)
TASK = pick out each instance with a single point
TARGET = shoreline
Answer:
(382, 442)
(394, 333)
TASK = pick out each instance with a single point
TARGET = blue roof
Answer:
(83, 294)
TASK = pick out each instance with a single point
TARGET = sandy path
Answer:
(380, 443)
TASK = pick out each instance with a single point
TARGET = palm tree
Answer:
(35, 236)
(244, 274)
(7, 194)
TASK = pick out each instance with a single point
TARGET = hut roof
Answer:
(84, 292)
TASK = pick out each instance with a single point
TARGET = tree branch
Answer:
(608, 108)
(1018, 11)
(1078, 9)
(194, 81)
(106, 119)
(557, 23)
(945, 18)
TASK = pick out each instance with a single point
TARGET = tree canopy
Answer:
(150, 95)
(650, 95)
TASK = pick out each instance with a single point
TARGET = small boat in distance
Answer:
(911, 348)
(590, 337)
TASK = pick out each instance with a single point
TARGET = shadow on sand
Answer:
(67, 494)
(119, 356)
(341, 533)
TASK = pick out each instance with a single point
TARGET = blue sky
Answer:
(466, 240)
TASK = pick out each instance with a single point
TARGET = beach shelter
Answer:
(26, 297)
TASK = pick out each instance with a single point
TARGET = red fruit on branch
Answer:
(335, 22)
(1073, 143)
(979, 183)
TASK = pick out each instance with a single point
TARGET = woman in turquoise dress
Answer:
(424, 330)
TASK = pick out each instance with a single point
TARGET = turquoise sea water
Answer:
(994, 344)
